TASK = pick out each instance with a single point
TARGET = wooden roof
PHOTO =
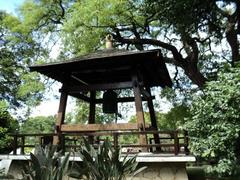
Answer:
(109, 66)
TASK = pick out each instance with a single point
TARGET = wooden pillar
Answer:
(92, 111)
(139, 109)
(176, 143)
(153, 118)
(22, 145)
(92, 108)
(60, 115)
(15, 143)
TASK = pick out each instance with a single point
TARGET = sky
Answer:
(10, 5)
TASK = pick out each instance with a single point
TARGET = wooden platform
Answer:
(141, 157)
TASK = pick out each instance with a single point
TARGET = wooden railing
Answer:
(174, 142)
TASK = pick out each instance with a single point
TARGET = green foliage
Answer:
(105, 163)
(175, 118)
(36, 125)
(4, 139)
(87, 23)
(97, 18)
(186, 41)
(42, 15)
(194, 14)
(214, 127)
(39, 124)
(82, 113)
(7, 125)
(46, 164)
(18, 49)
(171, 120)
(30, 87)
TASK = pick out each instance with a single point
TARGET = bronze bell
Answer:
(110, 102)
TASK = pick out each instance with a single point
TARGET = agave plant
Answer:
(46, 164)
(5, 176)
(105, 163)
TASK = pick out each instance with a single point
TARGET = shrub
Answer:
(214, 127)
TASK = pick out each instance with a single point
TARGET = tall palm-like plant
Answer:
(105, 163)
(46, 164)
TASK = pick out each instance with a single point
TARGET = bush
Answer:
(7, 125)
(214, 127)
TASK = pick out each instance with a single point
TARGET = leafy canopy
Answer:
(18, 49)
(171, 120)
(214, 127)
(38, 124)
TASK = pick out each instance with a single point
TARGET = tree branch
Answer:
(177, 56)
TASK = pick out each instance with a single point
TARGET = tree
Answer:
(18, 48)
(171, 120)
(39, 124)
(214, 127)
(82, 113)
(191, 42)
(7, 125)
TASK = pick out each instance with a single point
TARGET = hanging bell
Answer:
(110, 102)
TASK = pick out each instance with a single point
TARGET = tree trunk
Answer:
(232, 35)
(192, 71)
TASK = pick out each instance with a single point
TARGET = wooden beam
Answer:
(99, 127)
(98, 87)
(92, 108)
(123, 99)
(80, 96)
(101, 70)
(62, 109)
(79, 80)
(139, 108)
(153, 118)
(60, 114)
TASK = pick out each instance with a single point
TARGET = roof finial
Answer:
(109, 41)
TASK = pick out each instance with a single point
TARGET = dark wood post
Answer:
(153, 118)
(62, 143)
(22, 145)
(115, 140)
(60, 115)
(15, 143)
(176, 143)
(139, 109)
(186, 142)
(92, 111)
